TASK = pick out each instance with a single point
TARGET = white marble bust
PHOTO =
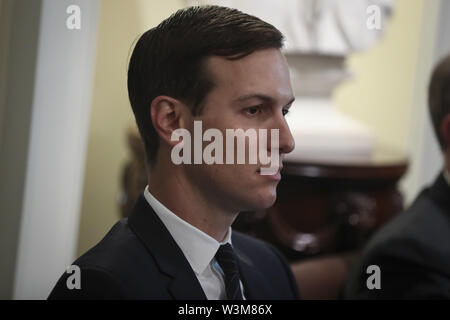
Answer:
(328, 27)
(320, 34)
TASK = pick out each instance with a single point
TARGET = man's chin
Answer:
(265, 201)
(268, 203)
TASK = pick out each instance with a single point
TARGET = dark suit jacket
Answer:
(139, 259)
(412, 251)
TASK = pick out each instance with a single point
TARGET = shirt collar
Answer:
(198, 247)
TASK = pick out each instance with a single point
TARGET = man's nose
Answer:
(287, 143)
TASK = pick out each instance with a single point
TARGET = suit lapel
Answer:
(171, 261)
(252, 280)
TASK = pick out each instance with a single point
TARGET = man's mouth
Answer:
(275, 176)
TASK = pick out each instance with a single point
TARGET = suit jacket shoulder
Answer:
(412, 251)
(118, 267)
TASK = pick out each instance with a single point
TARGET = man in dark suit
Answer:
(223, 69)
(413, 250)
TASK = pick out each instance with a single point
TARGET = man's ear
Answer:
(445, 130)
(167, 115)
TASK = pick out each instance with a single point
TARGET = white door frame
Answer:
(57, 148)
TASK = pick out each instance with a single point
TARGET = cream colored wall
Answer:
(422, 147)
(388, 91)
(121, 22)
(382, 93)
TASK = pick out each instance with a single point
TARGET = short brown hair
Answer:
(439, 96)
(169, 59)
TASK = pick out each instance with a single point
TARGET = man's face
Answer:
(252, 92)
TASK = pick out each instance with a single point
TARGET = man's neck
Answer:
(173, 189)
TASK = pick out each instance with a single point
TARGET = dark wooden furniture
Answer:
(325, 213)
(329, 208)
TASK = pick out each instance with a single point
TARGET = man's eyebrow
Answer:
(262, 97)
(290, 102)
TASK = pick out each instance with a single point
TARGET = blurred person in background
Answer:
(413, 250)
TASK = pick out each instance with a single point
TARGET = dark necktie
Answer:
(228, 262)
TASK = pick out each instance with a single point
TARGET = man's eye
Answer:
(285, 112)
(253, 110)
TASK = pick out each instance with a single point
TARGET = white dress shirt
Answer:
(198, 247)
